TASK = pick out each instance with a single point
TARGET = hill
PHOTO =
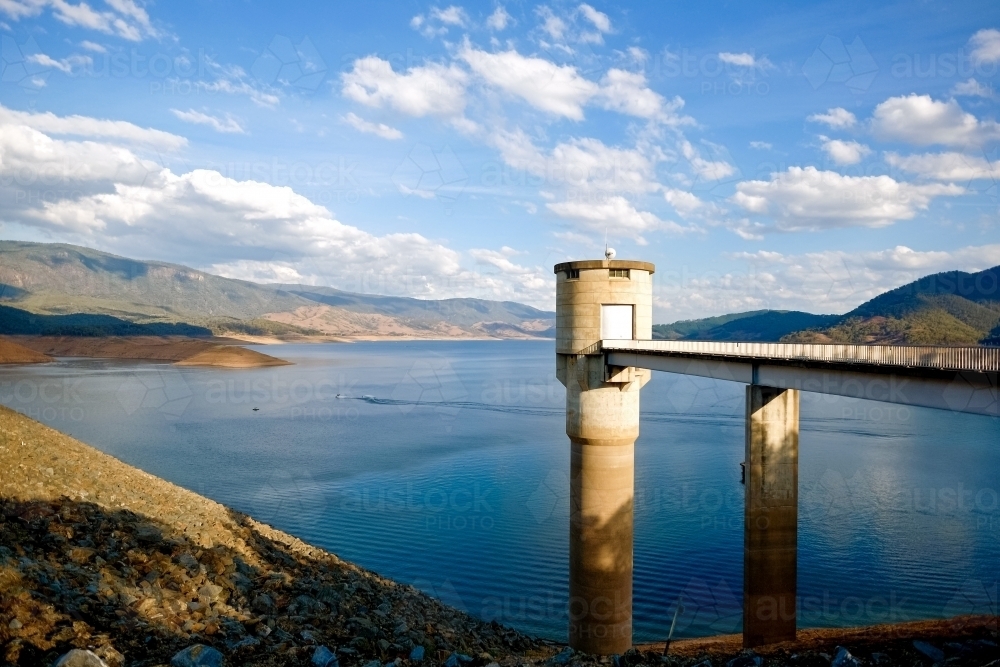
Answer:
(756, 325)
(950, 308)
(61, 289)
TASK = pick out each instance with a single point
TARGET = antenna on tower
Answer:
(609, 253)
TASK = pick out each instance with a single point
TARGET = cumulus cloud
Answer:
(368, 127)
(117, 130)
(92, 46)
(836, 118)
(810, 199)
(761, 145)
(844, 152)
(628, 93)
(426, 90)
(598, 19)
(69, 65)
(123, 18)
(499, 19)
(706, 170)
(986, 46)
(453, 15)
(615, 213)
(552, 25)
(226, 125)
(831, 281)
(949, 166)
(922, 121)
(556, 89)
(972, 88)
(684, 202)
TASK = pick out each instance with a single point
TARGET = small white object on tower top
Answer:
(609, 253)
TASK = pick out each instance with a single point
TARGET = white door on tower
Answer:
(616, 322)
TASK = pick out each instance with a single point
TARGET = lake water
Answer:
(452, 476)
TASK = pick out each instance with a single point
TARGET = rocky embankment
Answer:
(178, 349)
(103, 564)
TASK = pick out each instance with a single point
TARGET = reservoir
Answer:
(444, 464)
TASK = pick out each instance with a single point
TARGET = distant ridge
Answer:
(62, 289)
(949, 308)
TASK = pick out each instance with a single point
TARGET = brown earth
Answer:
(194, 351)
(13, 353)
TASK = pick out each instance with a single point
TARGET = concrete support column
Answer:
(770, 515)
(602, 423)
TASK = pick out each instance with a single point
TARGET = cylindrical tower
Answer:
(599, 300)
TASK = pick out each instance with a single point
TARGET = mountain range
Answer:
(65, 289)
(60, 289)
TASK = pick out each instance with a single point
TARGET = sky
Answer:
(792, 155)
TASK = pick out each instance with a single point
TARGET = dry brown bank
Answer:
(13, 353)
(198, 352)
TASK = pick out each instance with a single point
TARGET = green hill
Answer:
(950, 308)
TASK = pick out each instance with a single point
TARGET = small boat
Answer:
(341, 396)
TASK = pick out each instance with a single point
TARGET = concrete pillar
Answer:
(602, 422)
(770, 515)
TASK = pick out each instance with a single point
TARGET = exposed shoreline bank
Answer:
(182, 351)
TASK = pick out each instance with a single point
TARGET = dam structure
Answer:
(605, 355)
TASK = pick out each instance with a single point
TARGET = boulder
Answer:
(80, 658)
(198, 655)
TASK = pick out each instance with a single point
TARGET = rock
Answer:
(324, 657)
(198, 655)
(109, 655)
(417, 654)
(932, 652)
(456, 659)
(843, 658)
(15, 625)
(210, 593)
(80, 658)
(747, 659)
(373, 663)
(148, 534)
(563, 657)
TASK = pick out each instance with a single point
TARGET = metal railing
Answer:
(978, 359)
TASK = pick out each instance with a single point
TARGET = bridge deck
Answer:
(971, 359)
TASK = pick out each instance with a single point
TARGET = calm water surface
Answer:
(452, 475)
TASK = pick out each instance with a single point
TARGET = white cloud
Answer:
(809, 199)
(627, 92)
(684, 202)
(68, 65)
(614, 213)
(922, 121)
(554, 26)
(838, 118)
(427, 90)
(952, 167)
(93, 46)
(453, 15)
(499, 19)
(529, 279)
(598, 19)
(368, 127)
(832, 281)
(844, 152)
(708, 170)
(972, 88)
(234, 83)
(125, 18)
(986, 46)
(118, 130)
(556, 89)
(740, 59)
(761, 145)
(227, 125)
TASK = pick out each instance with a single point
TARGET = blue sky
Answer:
(762, 156)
